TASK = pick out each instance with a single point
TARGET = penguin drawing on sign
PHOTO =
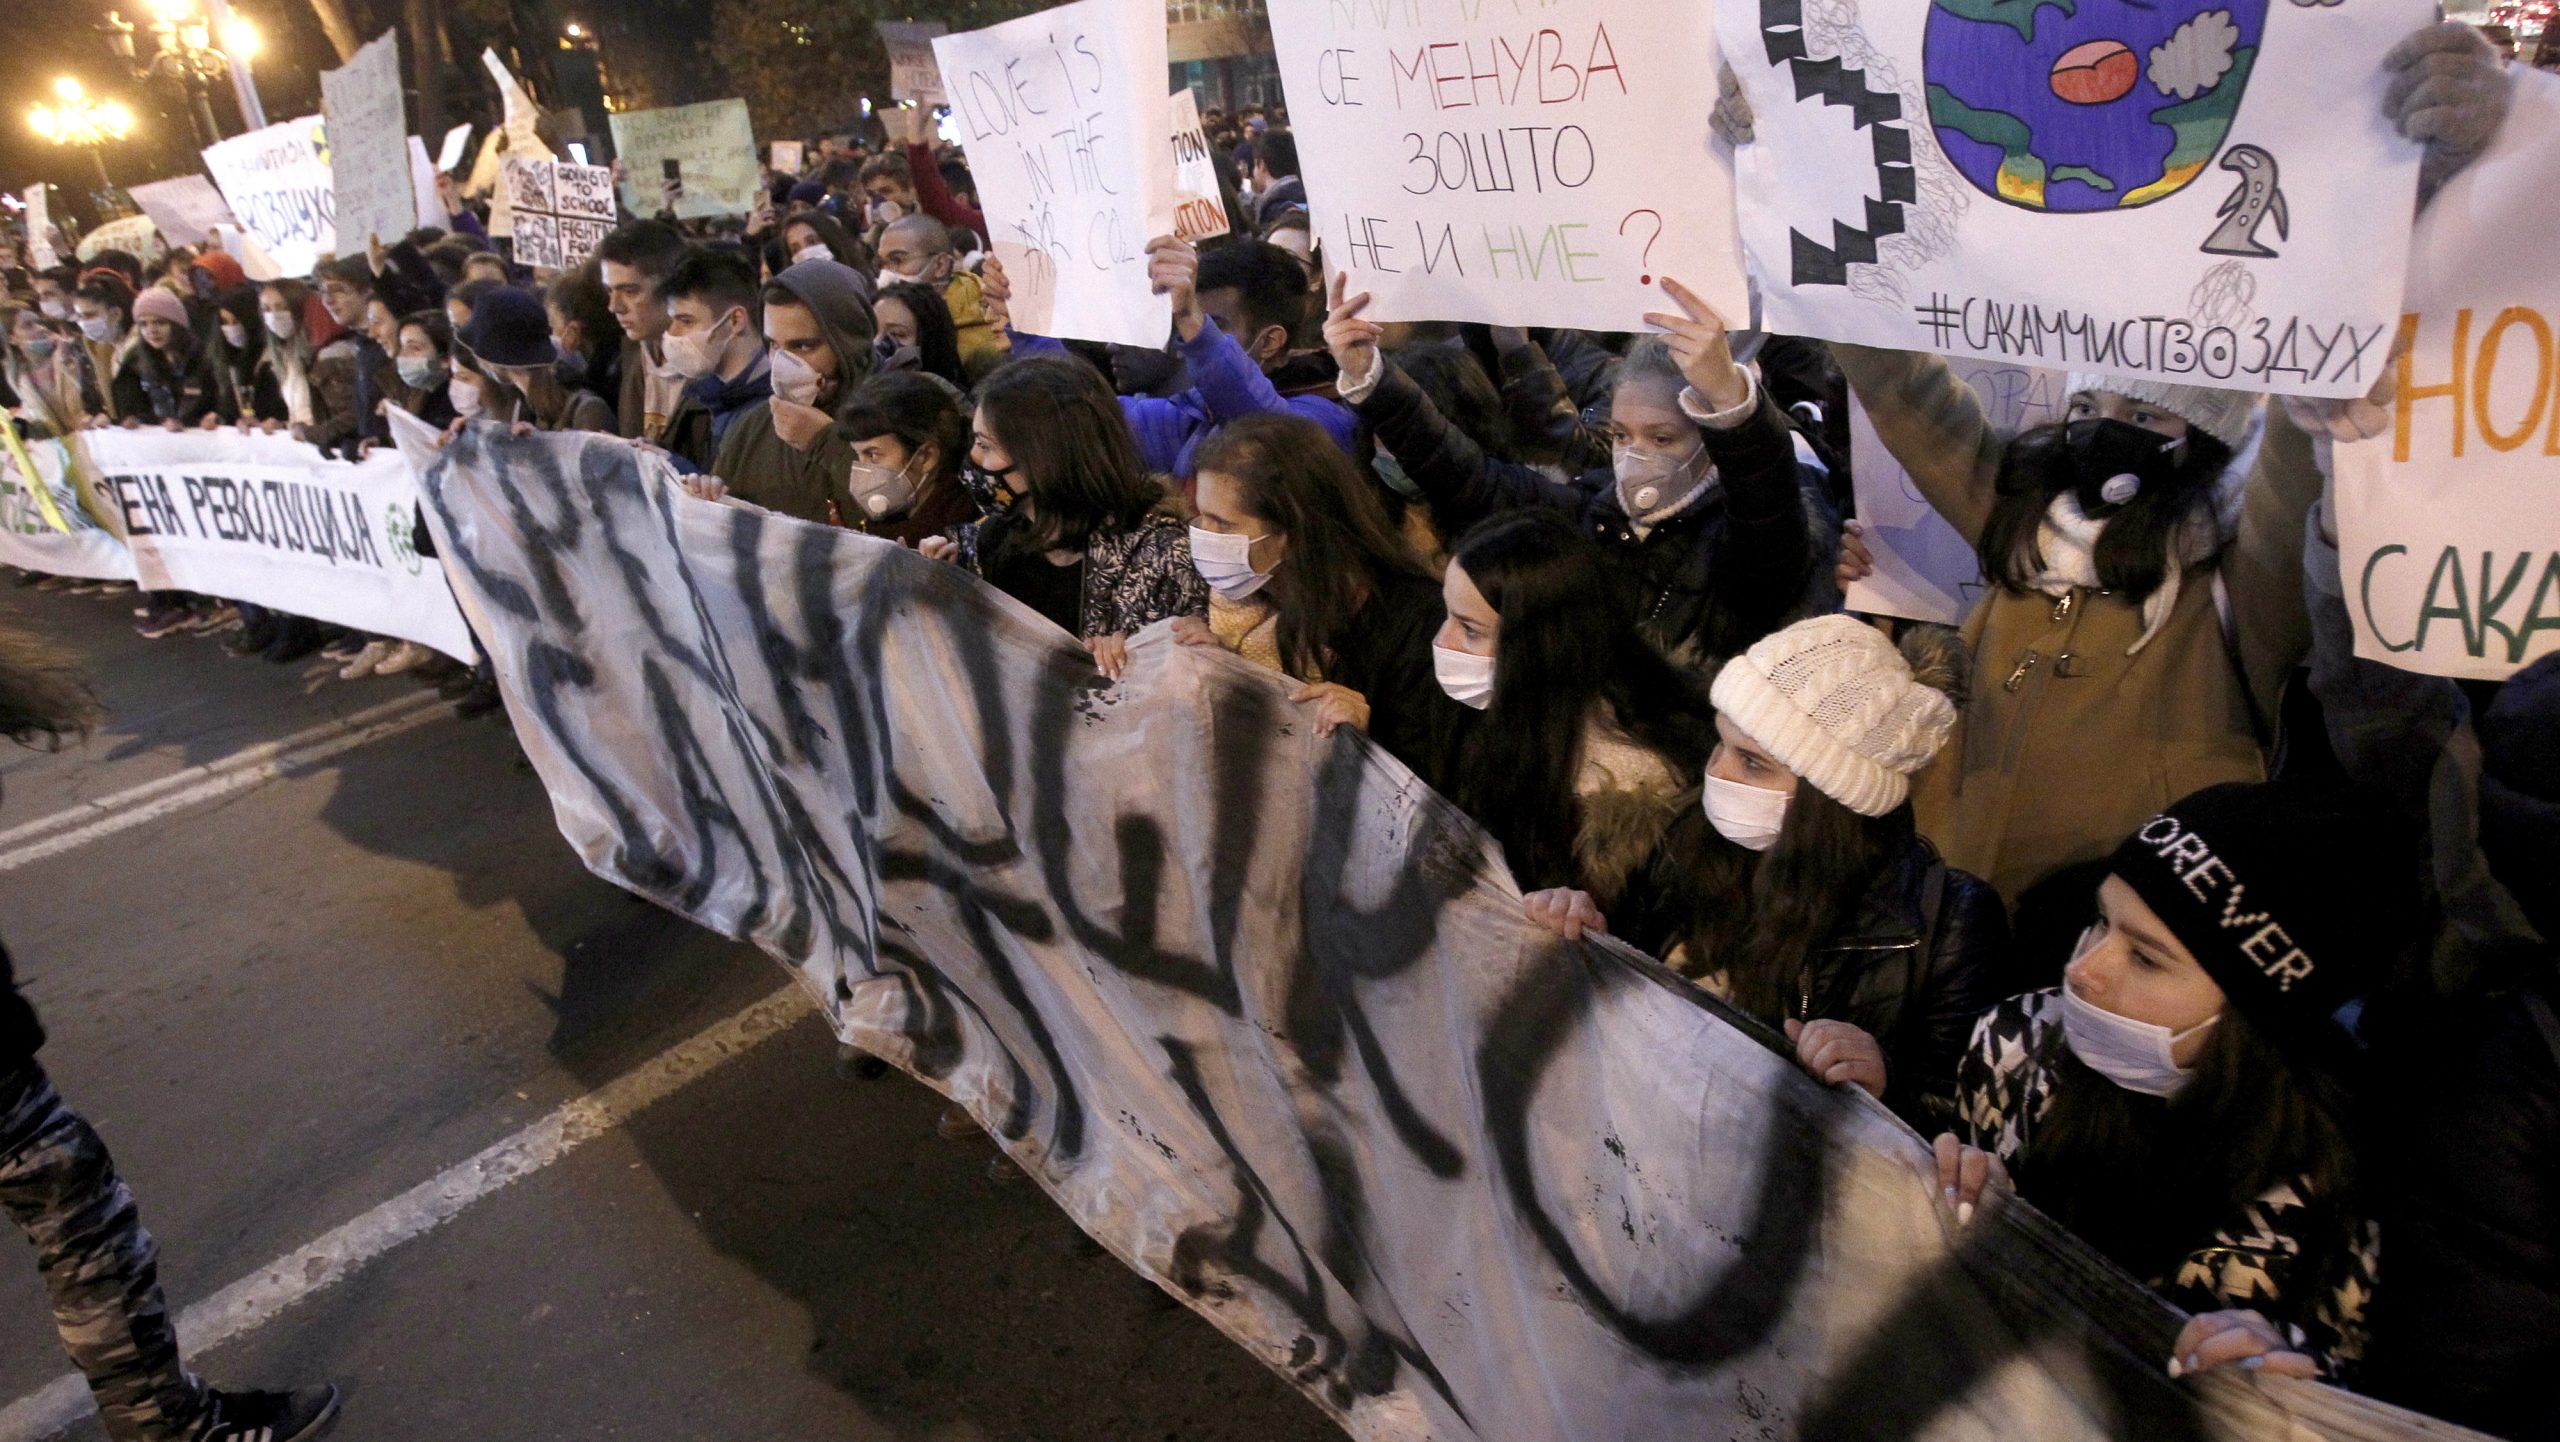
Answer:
(2255, 200)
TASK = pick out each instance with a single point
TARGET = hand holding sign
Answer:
(1352, 340)
(1173, 271)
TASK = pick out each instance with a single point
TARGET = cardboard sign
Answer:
(562, 212)
(713, 145)
(1924, 569)
(2449, 526)
(40, 229)
(1065, 119)
(136, 235)
(1942, 177)
(1485, 163)
(278, 183)
(1199, 207)
(914, 73)
(369, 146)
(185, 207)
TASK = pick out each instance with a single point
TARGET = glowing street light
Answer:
(77, 120)
(187, 56)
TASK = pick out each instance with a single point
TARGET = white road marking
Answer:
(260, 1297)
(245, 770)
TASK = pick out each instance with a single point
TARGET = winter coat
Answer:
(1730, 568)
(2069, 743)
(2468, 1326)
(1225, 385)
(755, 462)
(1127, 580)
(148, 387)
(982, 348)
(2267, 1257)
(337, 389)
(709, 407)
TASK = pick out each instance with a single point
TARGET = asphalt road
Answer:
(291, 995)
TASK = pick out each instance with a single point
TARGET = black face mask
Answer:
(2115, 461)
(987, 489)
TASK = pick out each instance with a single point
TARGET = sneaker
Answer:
(403, 658)
(163, 621)
(221, 618)
(366, 661)
(295, 640)
(345, 647)
(267, 1416)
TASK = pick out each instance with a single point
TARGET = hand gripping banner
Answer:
(1260, 1011)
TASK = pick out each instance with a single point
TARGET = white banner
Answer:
(2082, 187)
(713, 146)
(1066, 122)
(185, 207)
(40, 229)
(2449, 527)
(1466, 163)
(369, 165)
(1924, 569)
(914, 73)
(1199, 205)
(266, 519)
(28, 537)
(277, 182)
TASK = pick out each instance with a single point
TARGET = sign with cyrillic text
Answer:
(278, 184)
(1065, 118)
(185, 207)
(1538, 166)
(2449, 525)
(2082, 187)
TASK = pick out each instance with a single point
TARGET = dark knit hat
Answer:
(2294, 900)
(509, 327)
(2520, 791)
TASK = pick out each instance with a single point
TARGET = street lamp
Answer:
(77, 120)
(187, 56)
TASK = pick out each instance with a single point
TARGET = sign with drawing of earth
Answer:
(2087, 105)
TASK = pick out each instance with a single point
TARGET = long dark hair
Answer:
(1078, 463)
(2145, 1184)
(916, 409)
(1462, 391)
(2133, 547)
(937, 335)
(1342, 548)
(1566, 642)
(1756, 916)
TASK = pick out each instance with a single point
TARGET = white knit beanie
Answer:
(1836, 702)
(2223, 415)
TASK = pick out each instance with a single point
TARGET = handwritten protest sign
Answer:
(1199, 206)
(135, 235)
(562, 211)
(40, 229)
(1924, 569)
(1939, 177)
(278, 184)
(2449, 526)
(369, 145)
(1065, 118)
(1467, 163)
(914, 73)
(185, 207)
(713, 145)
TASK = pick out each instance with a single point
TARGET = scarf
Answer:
(1251, 629)
(2067, 544)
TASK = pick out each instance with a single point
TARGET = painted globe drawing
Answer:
(2086, 105)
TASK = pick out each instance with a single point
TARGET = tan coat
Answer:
(2068, 744)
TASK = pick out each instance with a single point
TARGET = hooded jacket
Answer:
(707, 408)
(754, 461)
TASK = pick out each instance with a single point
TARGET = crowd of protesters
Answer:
(2140, 892)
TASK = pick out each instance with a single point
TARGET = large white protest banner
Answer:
(369, 165)
(185, 207)
(1924, 568)
(30, 506)
(1482, 162)
(2082, 186)
(914, 74)
(2449, 526)
(264, 518)
(278, 184)
(713, 145)
(1199, 204)
(1262, 1013)
(1066, 121)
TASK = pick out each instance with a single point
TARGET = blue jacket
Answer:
(1225, 386)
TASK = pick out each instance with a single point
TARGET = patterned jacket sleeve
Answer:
(2297, 1263)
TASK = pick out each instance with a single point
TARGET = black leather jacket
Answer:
(1927, 954)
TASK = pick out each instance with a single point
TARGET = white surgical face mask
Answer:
(56, 309)
(1467, 677)
(1651, 486)
(794, 379)
(1748, 816)
(1226, 563)
(887, 278)
(697, 355)
(811, 252)
(279, 323)
(234, 334)
(99, 328)
(465, 395)
(880, 492)
(417, 371)
(2136, 1055)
